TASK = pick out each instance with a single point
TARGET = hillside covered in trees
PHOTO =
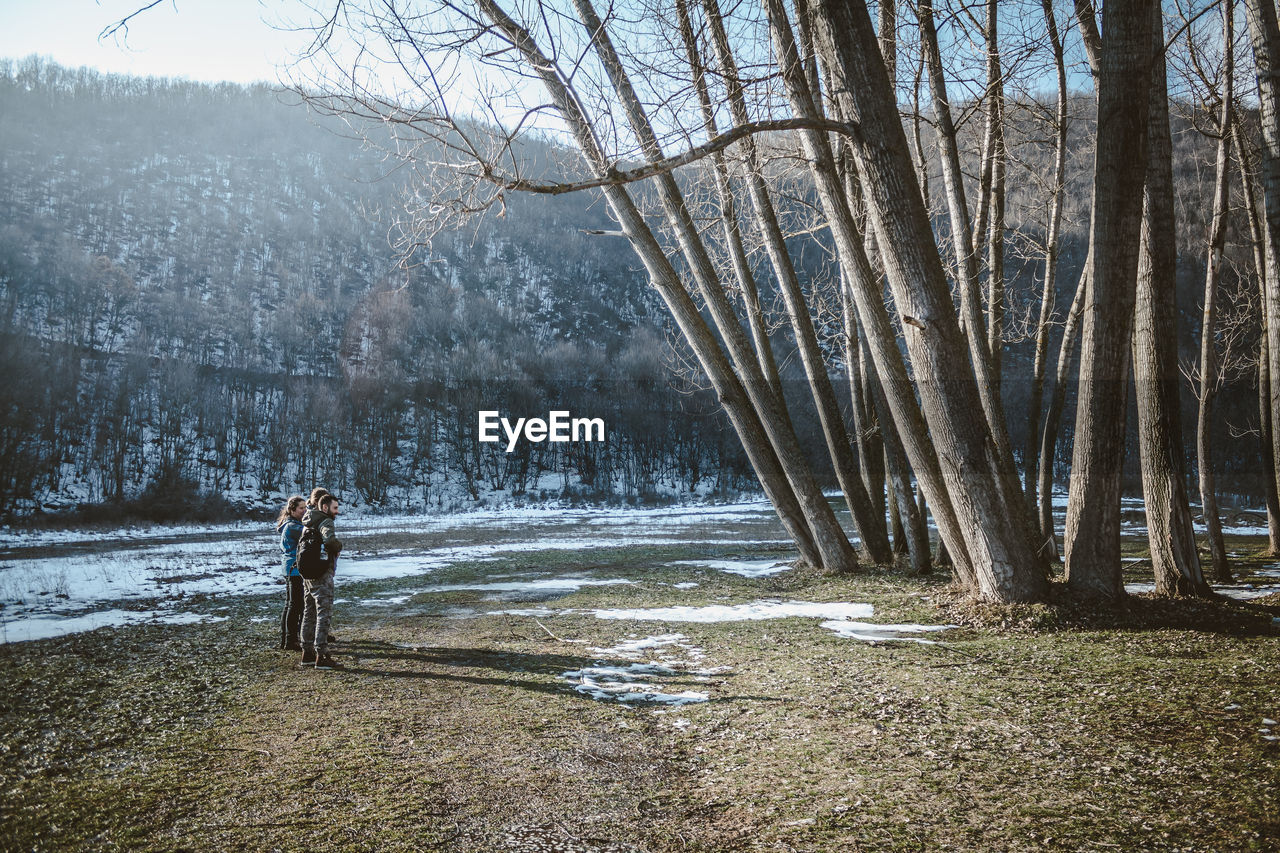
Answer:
(203, 291)
(200, 291)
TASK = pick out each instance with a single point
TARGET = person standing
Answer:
(313, 501)
(318, 594)
(289, 526)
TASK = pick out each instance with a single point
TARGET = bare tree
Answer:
(1209, 373)
(1093, 509)
(1155, 356)
(1264, 32)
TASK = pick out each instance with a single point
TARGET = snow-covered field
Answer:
(183, 571)
(59, 582)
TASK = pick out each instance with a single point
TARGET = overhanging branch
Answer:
(616, 177)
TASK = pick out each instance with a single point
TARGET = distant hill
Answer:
(199, 292)
(201, 299)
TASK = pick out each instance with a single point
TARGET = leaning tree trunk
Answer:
(1266, 417)
(865, 286)
(991, 518)
(1155, 358)
(991, 207)
(729, 216)
(1213, 274)
(1124, 94)
(829, 538)
(870, 524)
(962, 235)
(1053, 417)
(743, 415)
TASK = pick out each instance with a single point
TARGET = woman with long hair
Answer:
(289, 526)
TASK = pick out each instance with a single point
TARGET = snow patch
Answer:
(754, 611)
(745, 568)
(872, 633)
(44, 627)
(622, 685)
(641, 682)
(548, 585)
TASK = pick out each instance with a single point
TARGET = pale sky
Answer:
(208, 40)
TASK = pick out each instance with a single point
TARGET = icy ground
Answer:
(60, 582)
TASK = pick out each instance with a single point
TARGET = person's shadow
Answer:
(492, 667)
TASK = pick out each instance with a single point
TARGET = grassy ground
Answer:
(1038, 728)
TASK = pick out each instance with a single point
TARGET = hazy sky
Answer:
(207, 40)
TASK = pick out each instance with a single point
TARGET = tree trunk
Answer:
(1266, 418)
(1051, 246)
(729, 217)
(866, 287)
(1208, 350)
(1087, 18)
(1268, 461)
(871, 525)
(866, 428)
(991, 204)
(1053, 417)
(1264, 32)
(990, 517)
(829, 538)
(962, 232)
(1155, 357)
(915, 529)
(733, 397)
(1124, 94)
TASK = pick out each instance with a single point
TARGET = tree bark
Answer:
(991, 204)
(1213, 274)
(1265, 426)
(733, 397)
(1264, 32)
(1155, 357)
(870, 524)
(1053, 417)
(1124, 94)
(962, 231)
(729, 216)
(1087, 19)
(1051, 247)
(998, 542)
(1266, 417)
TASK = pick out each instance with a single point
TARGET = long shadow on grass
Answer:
(441, 664)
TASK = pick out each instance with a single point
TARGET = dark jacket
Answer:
(290, 531)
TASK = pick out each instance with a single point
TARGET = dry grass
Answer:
(1047, 728)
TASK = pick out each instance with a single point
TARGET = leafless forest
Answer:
(943, 257)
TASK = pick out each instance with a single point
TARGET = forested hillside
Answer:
(201, 293)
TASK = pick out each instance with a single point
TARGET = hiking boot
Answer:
(293, 646)
(326, 662)
(308, 657)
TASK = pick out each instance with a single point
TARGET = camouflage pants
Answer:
(317, 609)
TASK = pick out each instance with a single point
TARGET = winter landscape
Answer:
(654, 426)
(625, 679)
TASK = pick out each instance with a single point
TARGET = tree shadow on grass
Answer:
(1065, 611)
(452, 664)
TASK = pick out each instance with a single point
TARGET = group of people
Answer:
(308, 610)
